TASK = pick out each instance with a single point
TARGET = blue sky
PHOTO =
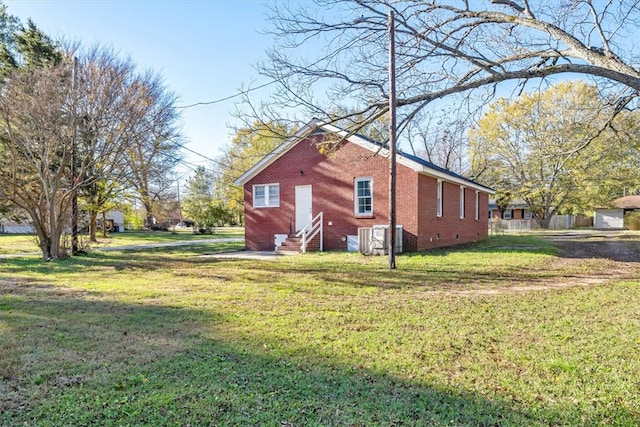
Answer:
(205, 50)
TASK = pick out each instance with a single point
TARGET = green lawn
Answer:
(476, 336)
(22, 243)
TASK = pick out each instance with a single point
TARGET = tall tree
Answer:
(46, 115)
(199, 203)
(106, 82)
(441, 140)
(247, 148)
(544, 146)
(36, 134)
(153, 150)
(338, 49)
(24, 46)
(9, 27)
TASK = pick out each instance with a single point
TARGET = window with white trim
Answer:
(363, 192)
(477, 215)
(439, 199)
(507, 214)
(461, 202)
(527, 214)
(266, 196)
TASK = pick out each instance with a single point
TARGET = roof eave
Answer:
(363, 142)
(460, 181)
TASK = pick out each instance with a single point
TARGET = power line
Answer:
(201, 155)
(216, 101)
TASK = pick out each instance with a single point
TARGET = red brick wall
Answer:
(332, 178)
(450, 229)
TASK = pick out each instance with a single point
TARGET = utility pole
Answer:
(392, 143)
(179, 204)
(74, 188)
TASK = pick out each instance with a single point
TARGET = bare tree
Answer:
(42, 119)
(104, 83)
(153, 150)
(52, 118)
(445, 49)
(441, 139)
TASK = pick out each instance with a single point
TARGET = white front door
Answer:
(303, 206)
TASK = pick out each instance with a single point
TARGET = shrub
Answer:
(632, 220)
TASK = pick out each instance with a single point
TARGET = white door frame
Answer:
(303, 206)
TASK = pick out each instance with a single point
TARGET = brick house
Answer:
(343, 182)
(518, 209)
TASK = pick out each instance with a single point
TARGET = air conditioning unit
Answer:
(364, 240)
(374, 240)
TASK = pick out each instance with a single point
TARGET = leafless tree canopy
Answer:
(120, 124)
(154, 143)
(444, 48)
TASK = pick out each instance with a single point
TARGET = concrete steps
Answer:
(293, 244)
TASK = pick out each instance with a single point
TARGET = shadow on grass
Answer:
(152, 236)
(131, 259)
(313, 273)
(70, 358)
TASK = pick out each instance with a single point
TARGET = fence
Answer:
(558, 222)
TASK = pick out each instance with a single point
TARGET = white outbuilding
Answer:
(613, 217)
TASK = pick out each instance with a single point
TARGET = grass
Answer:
(468, 336)
(25, 243)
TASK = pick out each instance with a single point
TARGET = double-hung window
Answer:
(461, 202)
(266, 196)
(363, 189)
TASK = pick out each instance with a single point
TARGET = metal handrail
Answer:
(310, 231)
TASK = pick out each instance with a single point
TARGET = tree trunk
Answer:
(544, 220)
(44, 241)
(104, 225)
(93, 215)
(149, 212)
(49, 240)
(55, 250)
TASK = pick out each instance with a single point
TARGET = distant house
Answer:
(335, 186)
(518, 209)
(518, 217)
(613, 217)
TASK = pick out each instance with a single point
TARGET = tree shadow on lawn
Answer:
(429, 277)
(424, 272)
(302, 277)
(70, 360)
(132, 259)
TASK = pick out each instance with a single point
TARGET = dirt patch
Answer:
(597, 257)
(584, 259)
(617, 247)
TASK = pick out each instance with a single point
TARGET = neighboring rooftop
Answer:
(627, 202)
